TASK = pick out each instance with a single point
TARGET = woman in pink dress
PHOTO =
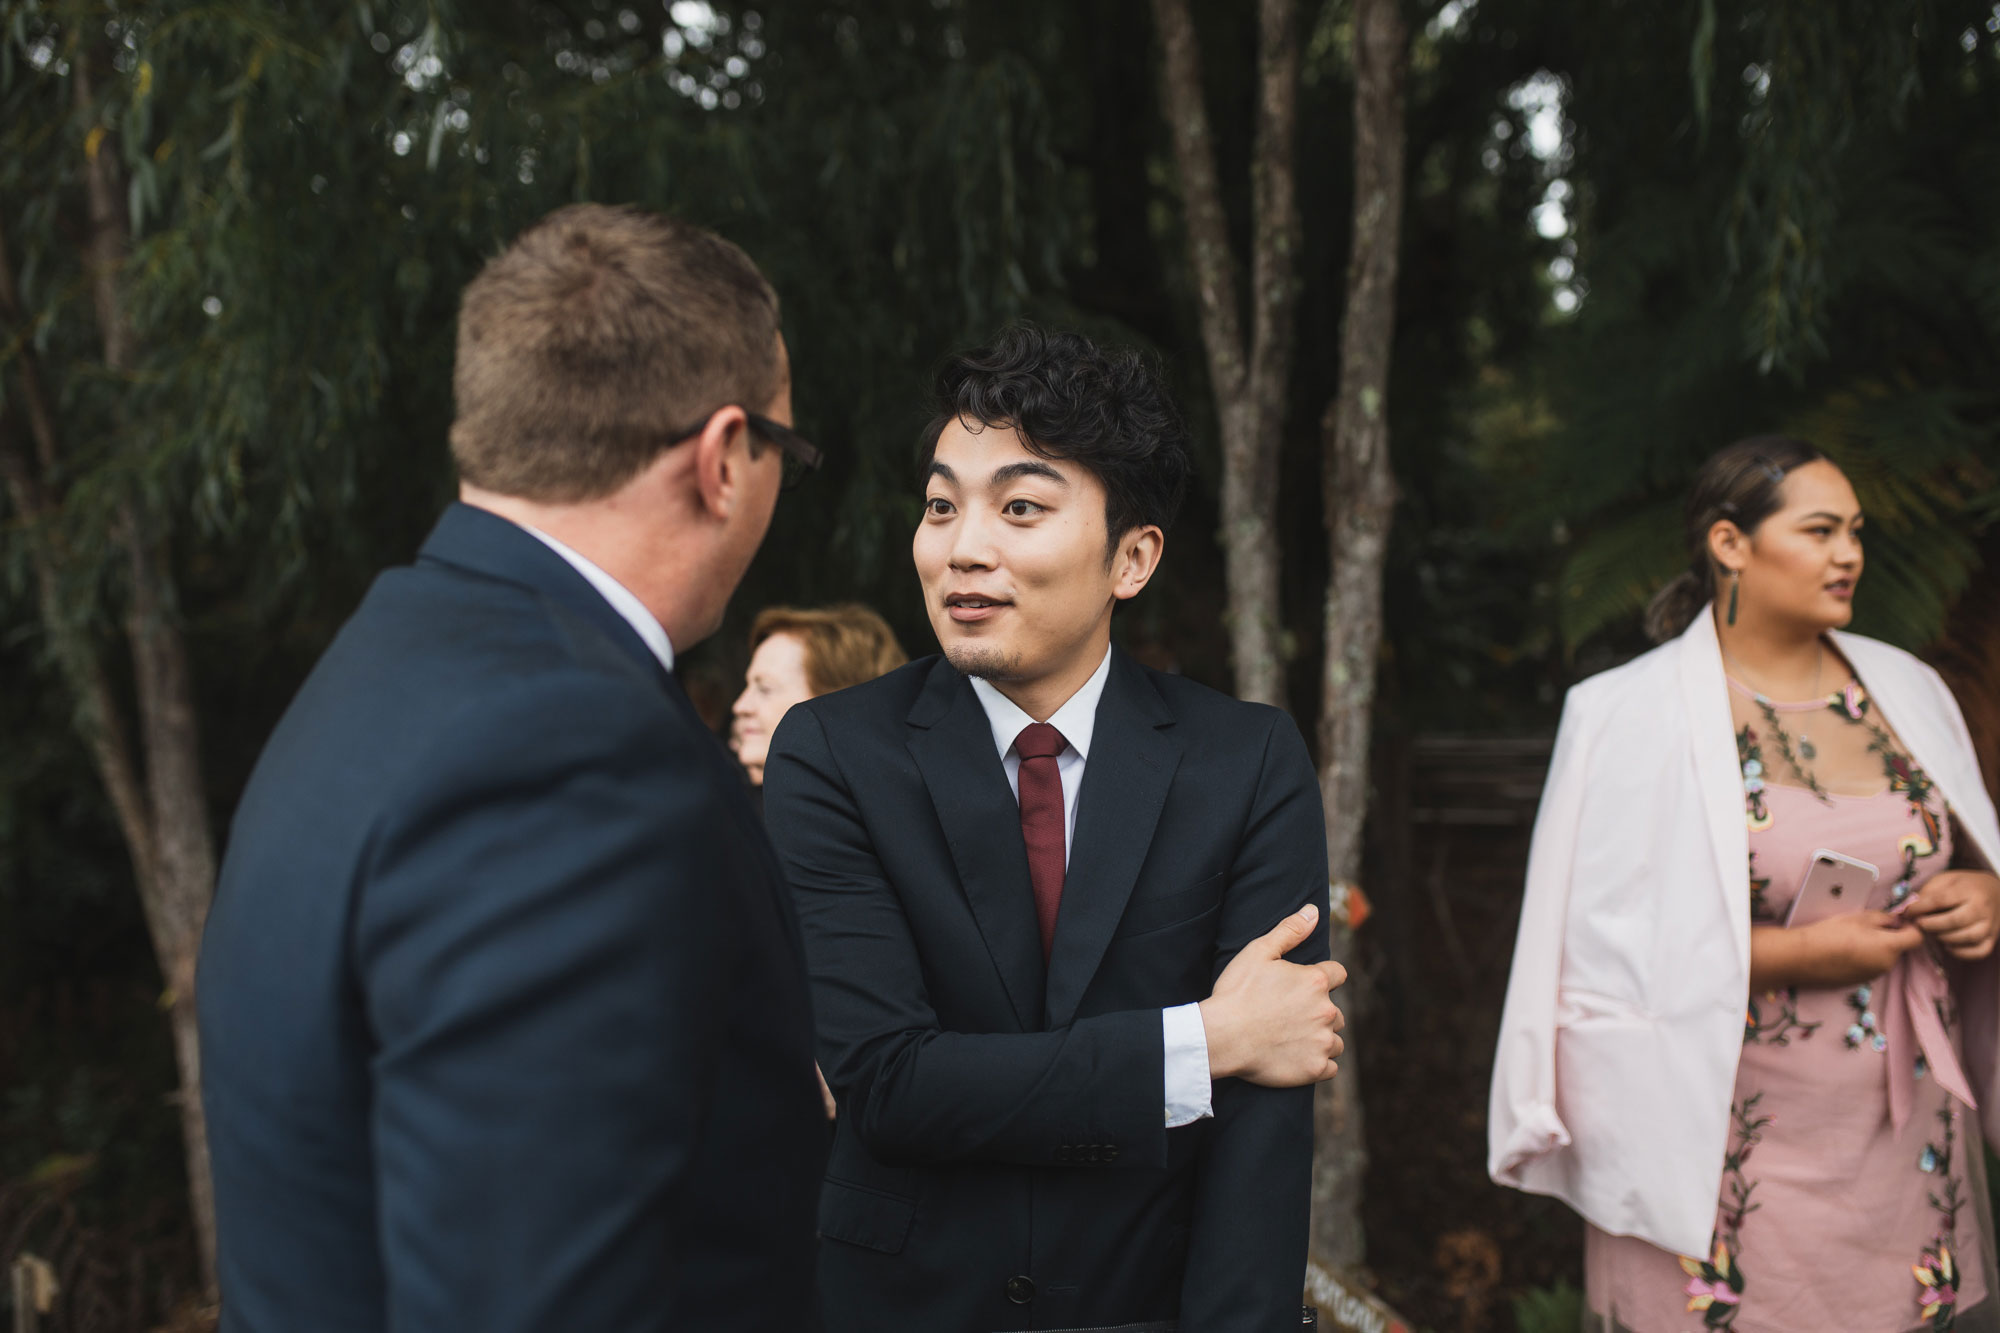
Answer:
(1852, 1190)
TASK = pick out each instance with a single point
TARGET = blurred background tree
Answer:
(1631, 233)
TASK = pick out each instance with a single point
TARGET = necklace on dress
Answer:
(1807, 750)
(1799, 750)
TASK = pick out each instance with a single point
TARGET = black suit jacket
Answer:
(504, 1018)
(1002, 1160)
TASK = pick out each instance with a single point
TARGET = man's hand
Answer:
(1272, 1022)
(826, 1094)
(1960, 909)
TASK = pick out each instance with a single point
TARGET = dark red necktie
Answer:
(1042, 820)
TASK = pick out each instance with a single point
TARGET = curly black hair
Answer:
(1104, 408)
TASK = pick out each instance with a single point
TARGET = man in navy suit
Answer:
(1060, 910)
(503, 1012)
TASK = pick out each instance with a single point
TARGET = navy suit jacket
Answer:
(503, 1012)
(1002, 1160)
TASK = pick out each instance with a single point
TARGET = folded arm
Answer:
(917, 1094)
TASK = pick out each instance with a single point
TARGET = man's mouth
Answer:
(969, 608)
(1842, 588)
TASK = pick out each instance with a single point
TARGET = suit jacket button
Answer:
(1020, 1290)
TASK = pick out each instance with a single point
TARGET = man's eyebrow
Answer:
(1015, 471)
(943, 473)
(1826, 514)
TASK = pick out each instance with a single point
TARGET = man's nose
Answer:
(742, 708)
(972, 545)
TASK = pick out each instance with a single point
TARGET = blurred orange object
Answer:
(1350, 904)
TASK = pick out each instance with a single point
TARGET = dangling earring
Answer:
(1735, 586)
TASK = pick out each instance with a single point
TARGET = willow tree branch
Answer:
(98, 717)
(34, 392)
(28, 483)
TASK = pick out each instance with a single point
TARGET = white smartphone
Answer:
(1836, 884)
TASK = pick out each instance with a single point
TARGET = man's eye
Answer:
(1021, 509)
(937, 505)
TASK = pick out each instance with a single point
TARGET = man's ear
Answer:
(721, 452)
(1133, 563)
(1728, 546)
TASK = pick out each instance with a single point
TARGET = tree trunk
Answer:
(1360, 501)
(183, 849)
(162, 808)
(1250, 377)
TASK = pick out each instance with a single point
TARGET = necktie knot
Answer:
(1039, 740)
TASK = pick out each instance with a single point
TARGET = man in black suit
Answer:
(504, 1018)
(1049, 898)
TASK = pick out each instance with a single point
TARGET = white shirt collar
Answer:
(1076, 719)
(622, 599)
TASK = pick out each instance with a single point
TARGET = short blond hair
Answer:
(593, 338)
(845, 644)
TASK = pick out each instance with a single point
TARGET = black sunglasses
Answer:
(798, 455)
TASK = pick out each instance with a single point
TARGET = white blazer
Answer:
(1624, 1013)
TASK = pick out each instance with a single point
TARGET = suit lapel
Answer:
(1125, 780)
(1705, 692)
(953, 745)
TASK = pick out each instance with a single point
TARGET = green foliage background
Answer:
(1782, 214)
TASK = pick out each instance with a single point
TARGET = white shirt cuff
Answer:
(1189, 1093)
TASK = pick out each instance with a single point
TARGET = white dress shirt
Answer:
(623, 601)
(1188, 1092)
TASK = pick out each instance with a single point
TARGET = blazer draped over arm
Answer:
(1624, 1012)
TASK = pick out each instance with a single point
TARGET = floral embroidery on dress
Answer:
(1863, 1031)
(1913, 784)
(1715, 1284)
(1785, 752)
(1936, 1269)
(1751, 756)
(1938, 1274)
(1715, 1288)
(1905, 778)
(1780, 1030)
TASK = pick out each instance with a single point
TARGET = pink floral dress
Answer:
(1850, 1187)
